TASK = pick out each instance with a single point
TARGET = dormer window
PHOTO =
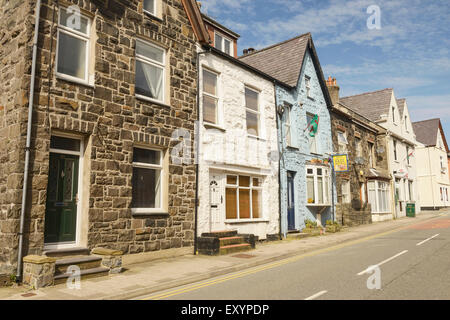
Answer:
(223, 44)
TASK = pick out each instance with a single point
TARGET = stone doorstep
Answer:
(84, 274)
(106, 252)
(298, 235)
(67, 253)
(221, 234)
(83, 262)
(230, 240)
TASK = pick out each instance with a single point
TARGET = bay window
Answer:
(147, 180)
(243, 197)
(73, 46)
(150, 71)
(317, 185)
(379, 198)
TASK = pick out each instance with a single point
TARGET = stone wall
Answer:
(357, 212)
(110, 120)
(15, 60)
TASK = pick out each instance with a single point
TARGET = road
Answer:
(413, 263)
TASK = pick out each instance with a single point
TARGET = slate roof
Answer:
(370, 104)
(426, 131)
(282, 61)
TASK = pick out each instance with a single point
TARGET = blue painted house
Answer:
(306, 178)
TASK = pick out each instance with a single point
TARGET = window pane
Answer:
(209, 109)
(71, 56)
(231, 203)
(146, 188)
(209, 82)
(149, 5)
(251, 99)
(327, 192)
(69, 20)
(244, 204)
(147, 156)
(232, 180)
(256, 182)
(252, 123)
(244, 181)
(310, 187)
(320, 189)
(256, 203)
(312, 144)
(64, 143)
(149, 80)
(218, 42)
(319, 171)
(227, 46)
(149, 52)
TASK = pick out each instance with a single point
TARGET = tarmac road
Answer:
(413, 263)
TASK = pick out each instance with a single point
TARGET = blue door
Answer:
(291, 201)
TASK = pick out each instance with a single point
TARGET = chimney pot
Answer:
(245, 51)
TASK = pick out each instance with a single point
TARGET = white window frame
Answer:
(250, 188)
(358, 147)
(161, 65)
(222, 44)
(218, 118)
(258, 113)
(288, 125)
(342, 145)
(394, 142)
(346, 194)
(80, 36)
(160, 167)
(326, 175)
(154, 8)
(376, 186)
(308, 86)
(312, 145)
(371, 147)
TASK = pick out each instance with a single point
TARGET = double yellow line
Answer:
(265, 267)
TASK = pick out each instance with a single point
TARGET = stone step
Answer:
(221, 234)
(83, 262)
(235, 248)
(84, 274)
(297, 235)
(67, 253)
(231, 240)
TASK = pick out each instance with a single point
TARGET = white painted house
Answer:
(238, 151)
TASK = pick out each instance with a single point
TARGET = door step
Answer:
(67, 253)
(84, 274)
(230, 240)
(235, 248)
(221, 234)
(82, 262)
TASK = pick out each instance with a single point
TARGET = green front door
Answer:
(62, 190)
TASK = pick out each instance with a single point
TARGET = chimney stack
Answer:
(333, 89)
(248, 51)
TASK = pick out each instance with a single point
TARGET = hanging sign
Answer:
(340, 163)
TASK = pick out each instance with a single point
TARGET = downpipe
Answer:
(28, 145)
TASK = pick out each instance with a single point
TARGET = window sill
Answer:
(74, 80)
(152, 16)
(292, 147)
(246, 221)
(147, 99)
(256, 137)
(318, 205)
(208, 125)
(149, 212)
(311, 98)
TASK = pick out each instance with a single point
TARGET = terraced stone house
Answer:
(114, 89)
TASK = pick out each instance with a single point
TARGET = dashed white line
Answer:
(318, 294)
(420, 243)
(383, 262)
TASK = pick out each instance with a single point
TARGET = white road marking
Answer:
(420, 243)
(318, 294)
(383, 262)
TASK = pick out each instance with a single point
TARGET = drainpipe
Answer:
(279, 160)
(197, 150)
(28, 146)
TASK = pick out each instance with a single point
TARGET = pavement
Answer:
(144, 279)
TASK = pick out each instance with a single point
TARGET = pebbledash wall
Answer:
(227, 149)
(106, 116)
(296, 159)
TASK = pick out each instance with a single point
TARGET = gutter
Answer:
(28, 145)
(197, 151)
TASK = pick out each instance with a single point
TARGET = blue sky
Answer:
(410, 53)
